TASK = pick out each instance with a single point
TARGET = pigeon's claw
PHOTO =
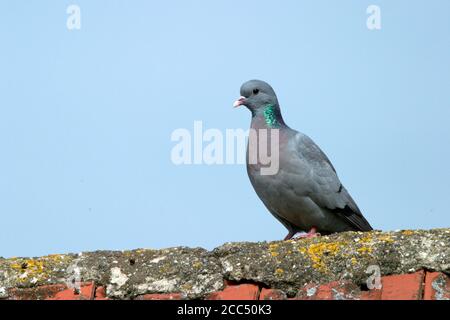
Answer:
(311, 234)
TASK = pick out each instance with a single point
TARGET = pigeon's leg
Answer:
(290, 235)
(311, 234)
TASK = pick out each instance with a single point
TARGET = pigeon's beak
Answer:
(239, 102)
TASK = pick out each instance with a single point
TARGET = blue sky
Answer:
(86, 115)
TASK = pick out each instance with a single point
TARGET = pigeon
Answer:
(305, 194)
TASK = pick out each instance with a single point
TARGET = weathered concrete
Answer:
(286, 265)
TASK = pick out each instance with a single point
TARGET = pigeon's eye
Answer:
(255, 91)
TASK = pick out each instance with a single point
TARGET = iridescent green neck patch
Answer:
(270, 116)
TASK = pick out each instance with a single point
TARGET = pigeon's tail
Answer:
(354, 218)
(363, 224)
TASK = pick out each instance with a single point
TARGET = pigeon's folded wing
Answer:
(324, 186)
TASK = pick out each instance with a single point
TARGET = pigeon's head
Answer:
(256, 95)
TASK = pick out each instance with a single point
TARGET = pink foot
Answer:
(311, 234)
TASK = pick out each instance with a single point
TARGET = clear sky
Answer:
(86, 115)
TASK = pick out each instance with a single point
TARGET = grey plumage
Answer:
(306, 192)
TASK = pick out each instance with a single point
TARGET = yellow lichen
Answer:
(364, 250)
(28, 265)
(317, 251)
(273, 249)
(38, 269)
(187, 287)
(279, 271)
(386, 239)
(366, 239)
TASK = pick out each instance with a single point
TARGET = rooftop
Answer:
(408, 264)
